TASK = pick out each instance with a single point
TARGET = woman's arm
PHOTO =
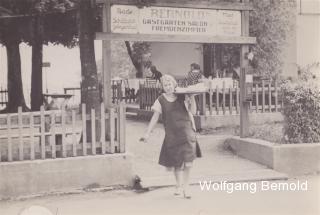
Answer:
(191, 104)
(152, 123)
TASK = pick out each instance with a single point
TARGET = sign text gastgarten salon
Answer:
(175, 21)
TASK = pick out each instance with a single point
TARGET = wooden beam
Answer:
(244, 105)
(201, 4)
(106, 57)
(176, 38)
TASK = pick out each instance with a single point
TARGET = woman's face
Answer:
(168, 86)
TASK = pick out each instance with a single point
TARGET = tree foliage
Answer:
(271, 22)
(140, 55)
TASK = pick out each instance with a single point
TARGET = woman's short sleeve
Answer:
(156, 107)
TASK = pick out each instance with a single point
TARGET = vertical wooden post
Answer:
(122, 127)
(53, 135)
(257, 97)
(106, 55)
(103, 131)
(93, 131)
(20, 133)
(74, 139)
(84, 130)
(244, 106)
(63, 133)
(31, 136)
(43, 131)
(9, 138)
(276, 95)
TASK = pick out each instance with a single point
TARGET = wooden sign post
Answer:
(244, 105)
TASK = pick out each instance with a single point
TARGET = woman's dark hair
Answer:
(195, 66)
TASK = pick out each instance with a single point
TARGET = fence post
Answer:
(112, 130)
(84, 129)
(53, 134)
(103, 129)
(257, 97)
(237, 100)
(217, 100)
(93, 131)
(263, 97)
(42, 130)
(223, 98)
(122, 127)
(74, 138)
(276, 95)
(63, 133)
(269, 96)
(9, 138)
(20, 133)
(210, 97)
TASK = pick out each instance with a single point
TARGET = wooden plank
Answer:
(263, 96)
(112, 129)
(84, 129)
(42, 130)
(32, 139)
(9, 138)
(210, 98)
(217, 100)
(276, 95)
(53, 135)
(199, 4)
(93, 132)
(175, 38)
(103, 129)
(20, 133)
(238, 100)
(257, 97)
(117, 127)
(74, 137)
(122, 128)
(63, 133)
(223, 98)
(230, 100)
(269, 96)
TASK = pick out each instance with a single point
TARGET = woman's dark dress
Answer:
(179, 145)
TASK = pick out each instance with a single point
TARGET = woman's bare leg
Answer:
(186, 176)
(177, 174)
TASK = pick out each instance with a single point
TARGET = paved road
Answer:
(161, 201)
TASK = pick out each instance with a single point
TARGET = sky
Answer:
(64, 70)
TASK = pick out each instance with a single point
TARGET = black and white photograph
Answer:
(175, 107)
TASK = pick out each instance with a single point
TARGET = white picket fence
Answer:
(61, 133)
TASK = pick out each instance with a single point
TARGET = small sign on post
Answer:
(46, 64)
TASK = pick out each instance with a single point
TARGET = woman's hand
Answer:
(145, 138)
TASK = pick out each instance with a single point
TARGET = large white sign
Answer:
(175, 21)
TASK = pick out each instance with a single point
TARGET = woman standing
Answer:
(179, 146)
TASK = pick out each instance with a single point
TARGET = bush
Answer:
(301, 112)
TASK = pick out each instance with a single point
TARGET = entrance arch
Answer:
(210, 22)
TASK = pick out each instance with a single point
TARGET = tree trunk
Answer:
(15, 89)
(89, 85)
(36, 76)
(137, 66)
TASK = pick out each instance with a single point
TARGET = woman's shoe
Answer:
(186, 195)
(177, 191)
